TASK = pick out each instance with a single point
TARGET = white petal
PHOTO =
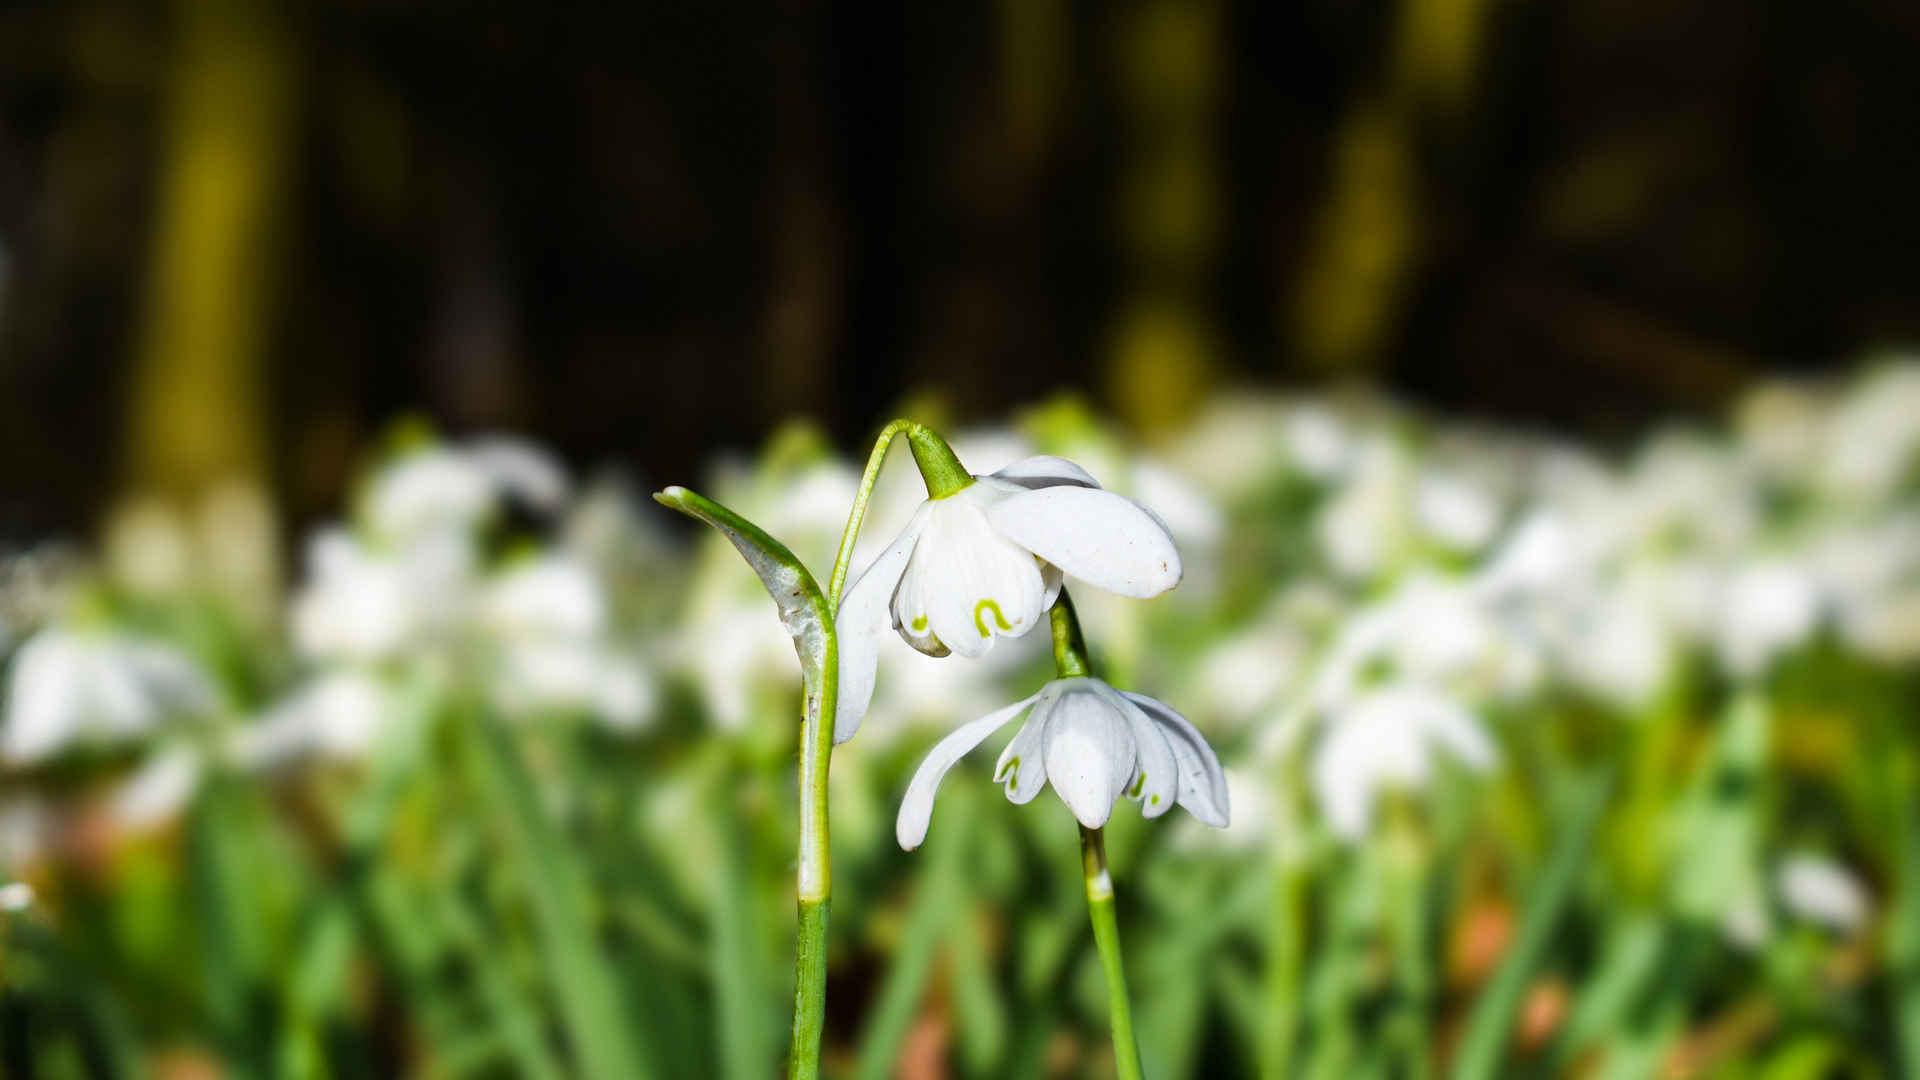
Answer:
(1089, 753)
(1156, 777)
(1105, 540)
(910, 610)
(977, 585)
(1045, 470)
(916, 807)
(1203, 784)
(861, 623)
(1022, 766)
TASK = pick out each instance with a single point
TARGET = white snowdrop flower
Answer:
(1364, 528)
(1819, 890)
(1872, 435)
(147, 548)
(534, 676)
(553, 595)
(15, 897)
(428, 490)
(69, 686)
(624, 695)
(1780, 426)
(1251, 669)
(1094, 744)
(356, 605)
(1617, 648)
(1430, 630)
(335, 717)
(1455, 511)
(1541, 553)
(520, 470)
(1387, 739)
(1770, 607)
(157, 790)
(1245, 429)
(721, 644)
(986, 562)
(1189, 515)
(1317, 441)
(1688, 489)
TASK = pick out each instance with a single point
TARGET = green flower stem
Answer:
(1106, 935)
(1070, 661)
(939, 468)
(1406, 856)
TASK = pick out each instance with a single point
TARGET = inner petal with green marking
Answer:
(979, 620)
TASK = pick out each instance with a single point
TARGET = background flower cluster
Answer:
(1543, 756)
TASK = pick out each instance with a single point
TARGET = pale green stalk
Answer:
(1106, 936)
(808, 615)
(1070, 660)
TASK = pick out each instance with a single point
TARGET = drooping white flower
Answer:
(157, 790)
(362, 604)
(1094, 744)
(334, 717)
(986, 562)
(1387, 739)
(1769, 608)
(1822, 891)
(69, 686)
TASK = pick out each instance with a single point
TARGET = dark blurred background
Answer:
(240, 236)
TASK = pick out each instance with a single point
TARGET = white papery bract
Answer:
(986, 562)
(1094, 744)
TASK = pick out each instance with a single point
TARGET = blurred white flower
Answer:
(986, 562)
(519, 470)
(1386, 739)
(363, 605)
(1456, 512)
(1317, 442)
(15, 897)
(157, 790)
(1872, 436)
(1819, 890)
(1364, 528)
(1094, 744)
(428, 490)
(1770, 608)
(70, 686)
(1617, 647)
(335, 717)
(552, 595)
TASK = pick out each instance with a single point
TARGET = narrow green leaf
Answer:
(560, 899)
(746, 1040)
(1484, 1045)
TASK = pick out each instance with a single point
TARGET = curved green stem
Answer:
(1106, 936)
(939, 469)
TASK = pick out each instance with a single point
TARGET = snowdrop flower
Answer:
(1455, 511)
(520, 470)
(156, 791)
(1386, 739)
(1095, 744)
(334, 717)
(1364, 526)
(1872, 436)
(15, 897)
(1770, 607)
(428, 490)
(365, 605)
(68, 686)
(1822, 891)
(985, 561)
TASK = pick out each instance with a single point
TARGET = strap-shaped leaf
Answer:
(803, 609)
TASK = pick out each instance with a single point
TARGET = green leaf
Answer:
(803, 609)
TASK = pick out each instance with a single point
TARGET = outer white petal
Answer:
(916, 807)
(1089, 753)
(977, 585)
(1105, 540)
(1022, 766)
(1045, 470)
(1156, 777)
(1203, 783)
(862, 621)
